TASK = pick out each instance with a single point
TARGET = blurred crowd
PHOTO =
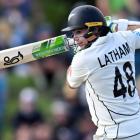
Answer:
(22, 22)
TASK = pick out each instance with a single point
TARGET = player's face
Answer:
(78, 36)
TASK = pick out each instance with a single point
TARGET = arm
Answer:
(122, 24)
(69, 75)
(133, 27)
(76, 76)
(78, 72)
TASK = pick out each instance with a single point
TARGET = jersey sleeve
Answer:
(137, 38)
(133, 37)
(77, 72)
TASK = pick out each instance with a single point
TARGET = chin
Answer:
(82, 46)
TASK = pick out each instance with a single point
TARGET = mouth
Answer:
(79, 43)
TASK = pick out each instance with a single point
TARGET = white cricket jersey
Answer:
(108, 71)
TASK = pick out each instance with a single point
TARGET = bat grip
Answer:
(71, 42)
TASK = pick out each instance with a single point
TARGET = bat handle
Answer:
(70, 42)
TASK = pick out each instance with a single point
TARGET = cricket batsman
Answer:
(105, 64)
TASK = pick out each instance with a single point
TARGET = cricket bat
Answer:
(34, 51)
(109, 20)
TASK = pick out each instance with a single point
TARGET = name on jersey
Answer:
(114, 55)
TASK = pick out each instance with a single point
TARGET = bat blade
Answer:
(34, 51)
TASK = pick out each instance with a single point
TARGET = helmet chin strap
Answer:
(93, 33)
(91, 36)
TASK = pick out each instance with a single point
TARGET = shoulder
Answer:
(124, 34)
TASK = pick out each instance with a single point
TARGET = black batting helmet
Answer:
(85, 16)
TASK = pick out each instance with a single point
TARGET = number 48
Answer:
(118, 79)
